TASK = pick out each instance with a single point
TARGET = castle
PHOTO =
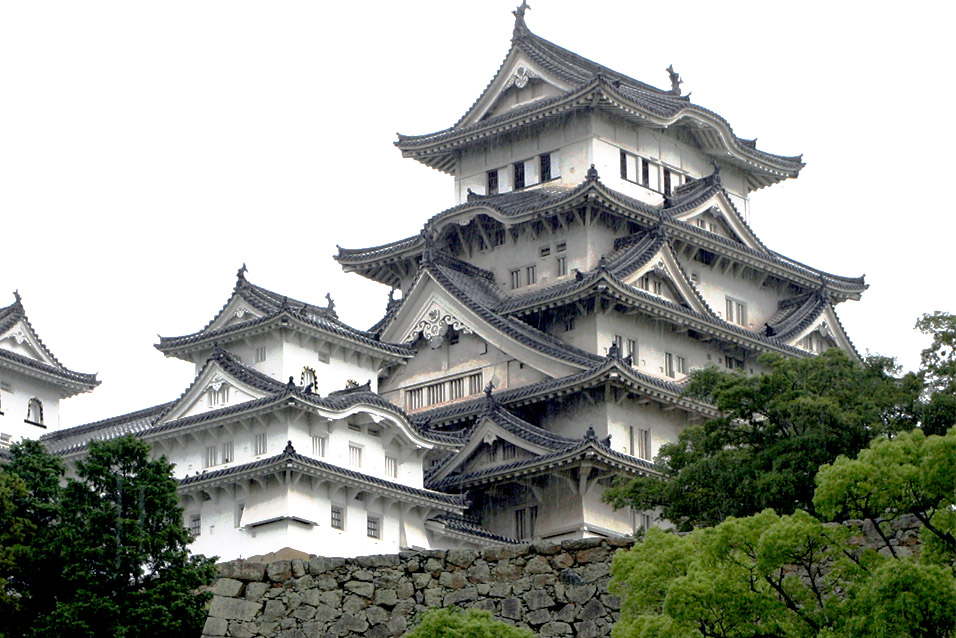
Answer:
(597, 252)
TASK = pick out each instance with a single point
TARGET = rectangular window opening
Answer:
(545, 166)
(261, 444)
(374, 527)
(519, 175)
(338, 517)
(355, 455)
(493, 182)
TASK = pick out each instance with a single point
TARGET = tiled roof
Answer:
(290, 455)
(483, 297)
(533, 392)
(76, 438)
(795, 314)
(588, 446)
(465, 526)
(9, 317)
(275, 308)
(584, 77)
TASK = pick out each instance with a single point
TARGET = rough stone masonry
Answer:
(556, 590)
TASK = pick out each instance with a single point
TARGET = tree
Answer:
(938, 372)
(773, 432)
(452, 622)
(114, 547)
(797, 577)
(782, 576)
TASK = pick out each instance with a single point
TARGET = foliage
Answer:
(112, 546)
(773, 432)
(783, 576)
(912, 473)
(938, 372)
(452, 622)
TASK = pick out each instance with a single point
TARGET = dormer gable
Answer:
(662, 275)
(519, 83)
(237, 310)
(22, 340)
(221, 383)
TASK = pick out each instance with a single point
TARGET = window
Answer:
(492, 182)
(374, 527)
(391, 466)
(631, 350)
(623, 165)
(195, 524)
(645, 174)
(355, 427)
(338, 517)
(320, 445)
(545, 166)
(562, 266)
(525, 522)
(640, 443)
(374, 432)
(568, 324)
(209, 458)
(733, 363)
(228, 454)
(308, 377)
(260, 354)
(644, 283)
(414, 398)
(736, 312)
(218, 397)
(515, 279)
(530, 272)
(619, 342)
(561, 246)
(642, 521)
(456, 389)
(474, 383)
(355, 455)
(521, 530)
(658, 287)
(261, 444)
(667, 182)
(702, 224)
(436, 393)
(519, 175)
(508, 451)
(674, 365)
(35, 412)
(544, 252)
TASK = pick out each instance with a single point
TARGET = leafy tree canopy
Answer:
(796, 577)
(938, 372)
(774, 431)
(111, 545)
(452, 622)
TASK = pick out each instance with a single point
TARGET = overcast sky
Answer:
(147, 150)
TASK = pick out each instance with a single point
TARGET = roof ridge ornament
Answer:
(16, 296)
(490, 402)
(288, 448)
(520, 26)
(590, 435)
(331, 307)
(592, 174)
(675, 80)
(241, 274)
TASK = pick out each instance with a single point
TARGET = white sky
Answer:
(147, 150)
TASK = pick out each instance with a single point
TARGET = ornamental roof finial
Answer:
(16, 295)
(519, 15)
(590, 435)
(331, 307)
(592, 174)
(288, 448)
(675, 80)
(614, 352)
(241, 274)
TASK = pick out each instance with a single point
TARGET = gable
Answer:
(213, 389)
(430, 311)
(824, 333)
(21, 339)
(663, 276)
(519, 81)
(719, 216)
(236, 310)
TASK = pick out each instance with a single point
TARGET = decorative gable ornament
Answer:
(521, 77)
(217, 382)
(241, 312)
(19, 336)
(436, 323)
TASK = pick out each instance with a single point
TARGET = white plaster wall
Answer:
(14, 404)
(715, 286)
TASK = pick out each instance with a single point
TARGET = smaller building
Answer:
(32, 380)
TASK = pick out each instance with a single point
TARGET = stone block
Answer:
(404, 589)
(538, 617)
(593, 555)
(304, 612)
(233, 608)
(376, 615)
(354, 604)
(581, 593)
(323, 564)
(362, 574)
(566, 613)
(581, 543)
(588, 629)
(452, 580)
(537, 565)
(242, 570)
(545, 548)
(227, 587)
(378, 631)
(348, 623)
(386, 597)
(483, 604)
(254, 591)
(331, 598)
(360, 587)
(215, 627)
(274, 609)
(239, 629)
(500, 590)
(279, 571)
(562, 560)
(479, 572)
(380, 560)
(537, 599)
(592, 610)
(511, 608)
(324, 613)
(466, 594)
(555, 628)
(461, 557)
(421, 580)
(397, 625)
(594, 571)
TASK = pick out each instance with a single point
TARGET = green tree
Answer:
(773, 432)
(797, 577)
(455, 623)
(938, 372)
(114, 547)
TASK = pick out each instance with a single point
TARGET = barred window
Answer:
(338, 517)
(474, 383)
(414, 398)
(195, 525)
(355, 455)
(391, 466)
(261, 444)
(209, 459)
(456, 389)
(228, 454)
(319, 445)
(374, 527)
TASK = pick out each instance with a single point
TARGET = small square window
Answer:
(260, 354)
(545, 251)
(561, 246)
(374, 527)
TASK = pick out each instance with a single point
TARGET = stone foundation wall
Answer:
(556, 590)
